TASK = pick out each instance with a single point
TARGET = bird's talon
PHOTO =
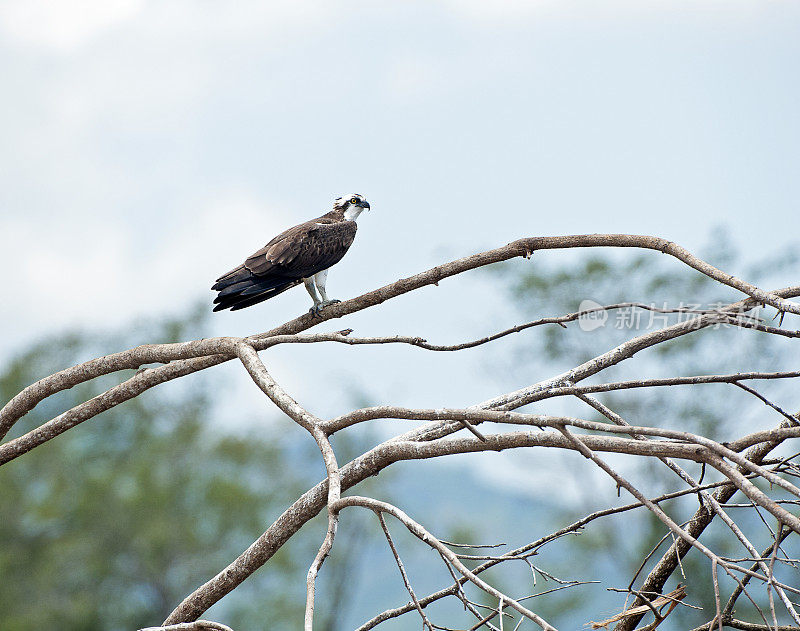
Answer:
(318, 307)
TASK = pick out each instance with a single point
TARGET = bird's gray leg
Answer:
(312, 290)
(319, 280)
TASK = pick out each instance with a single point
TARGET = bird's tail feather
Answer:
(250, 286)
(240, 300)
(237, 275)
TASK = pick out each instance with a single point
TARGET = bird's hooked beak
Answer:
(365, 204)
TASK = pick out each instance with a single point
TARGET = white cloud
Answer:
(62, 26)
(64, 274)
(509, 10)
(218, 237)
(56, 275)
(65, 25)
(498, 9)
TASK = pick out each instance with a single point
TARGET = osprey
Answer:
(300, 254)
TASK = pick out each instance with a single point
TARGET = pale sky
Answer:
(148, 147)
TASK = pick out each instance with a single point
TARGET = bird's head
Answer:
(352, 205)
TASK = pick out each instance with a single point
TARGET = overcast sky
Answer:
(148, 147)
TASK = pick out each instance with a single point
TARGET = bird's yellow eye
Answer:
(354, 200)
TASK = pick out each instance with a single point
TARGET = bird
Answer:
(302, 254)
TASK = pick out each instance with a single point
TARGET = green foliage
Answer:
(113, 523)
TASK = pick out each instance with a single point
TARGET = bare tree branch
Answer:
(198, 625)
(134, 358)
(401, 567)
(700, 521)
(421, 533)
(739, 460)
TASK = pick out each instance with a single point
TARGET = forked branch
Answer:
(438, 435)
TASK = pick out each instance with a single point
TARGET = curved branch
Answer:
(255, 367)
(702, 518)
(429, 441)
(198, 625)
(315, 499)
(421, 533)
(734, 378)
(133, 387)
(31, 396)
(527, 549)
(368, 464)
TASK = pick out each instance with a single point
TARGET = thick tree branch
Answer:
(311, 424)
(188, 352)
(434, 438)
(198, 625)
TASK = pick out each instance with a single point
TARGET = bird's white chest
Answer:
(352, 212)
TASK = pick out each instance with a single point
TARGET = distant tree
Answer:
(104, 528)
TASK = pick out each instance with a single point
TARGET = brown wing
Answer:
(304, 250)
